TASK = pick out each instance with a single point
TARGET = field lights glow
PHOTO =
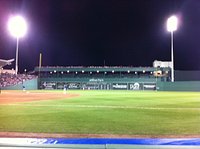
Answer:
(172, 24)
(17, 26)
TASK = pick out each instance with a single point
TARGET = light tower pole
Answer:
(172, 23)
(17, 27)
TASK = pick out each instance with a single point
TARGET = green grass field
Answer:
(107, 112)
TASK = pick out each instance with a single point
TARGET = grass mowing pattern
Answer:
(107, 112)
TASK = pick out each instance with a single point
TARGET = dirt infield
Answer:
(9, 97)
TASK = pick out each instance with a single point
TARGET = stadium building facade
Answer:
(102, 78)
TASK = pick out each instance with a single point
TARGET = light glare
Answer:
(172, 23)
(17, 26)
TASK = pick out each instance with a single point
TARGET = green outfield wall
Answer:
(109, 84)
(118, 84)
(111, 78)
(29, 85)
(179, 86)
(99, 83)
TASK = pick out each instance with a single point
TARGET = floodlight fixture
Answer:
(17, 27)
(172, 24)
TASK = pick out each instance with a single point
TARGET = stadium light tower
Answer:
(17, 27)
(172, 23)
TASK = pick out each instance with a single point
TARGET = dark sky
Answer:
(94, 32)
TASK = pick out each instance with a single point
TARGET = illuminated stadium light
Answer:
(83, 71)
(172, 24)
(67, 71)
(50, 72)
(61, 72)
(90, 72)
(135, 72)
(128, 71)
(54, 71)
(105, 72)
(143, 71)
(76, 72)
(17, 27)
(97, 71)
(113, 71)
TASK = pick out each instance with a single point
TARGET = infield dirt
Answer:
(10, 97)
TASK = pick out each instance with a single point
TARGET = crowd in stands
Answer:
(7, 79)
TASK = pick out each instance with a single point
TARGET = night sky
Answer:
(102, 32)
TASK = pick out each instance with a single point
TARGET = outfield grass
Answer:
(107, 112)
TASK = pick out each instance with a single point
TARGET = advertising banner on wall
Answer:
(105, 86)
(120, 86)
(48, 85)
(60, 85)
(149, 86)
(142, 86)
(99, 86)
(135, 86)
(90, 86)
(73, 85)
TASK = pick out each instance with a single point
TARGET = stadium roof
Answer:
(5, 62)
(97, 68)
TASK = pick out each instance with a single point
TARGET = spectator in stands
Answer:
(12, 79)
